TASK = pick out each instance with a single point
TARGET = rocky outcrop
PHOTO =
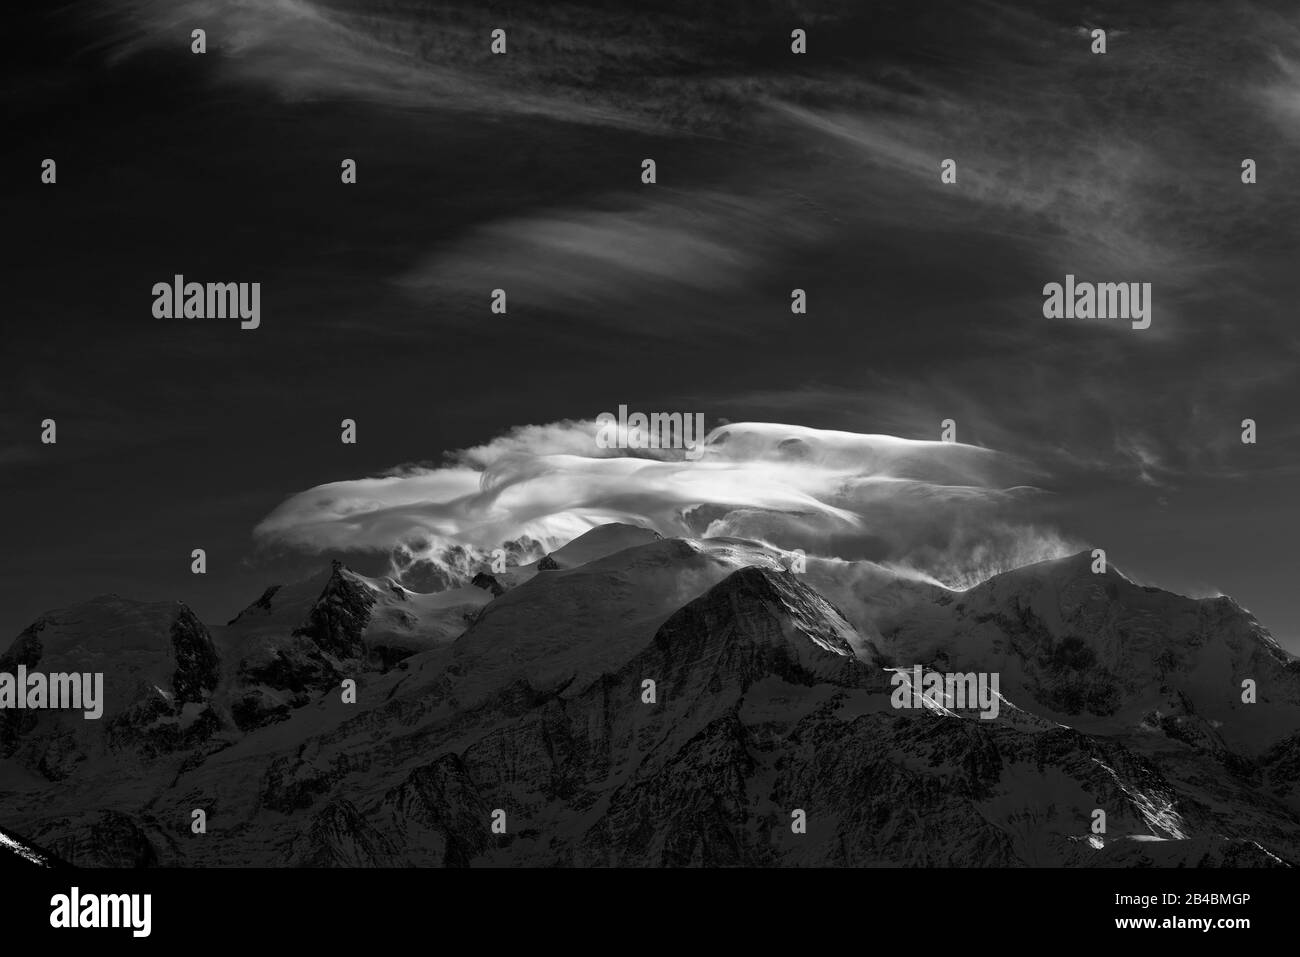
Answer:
(338, 620)
(488, 583)
(198, 667)
(282, 668)
(339, 836)
(98, 839)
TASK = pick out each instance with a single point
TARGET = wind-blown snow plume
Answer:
(950, 510)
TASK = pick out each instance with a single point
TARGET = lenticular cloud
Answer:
(954, 511)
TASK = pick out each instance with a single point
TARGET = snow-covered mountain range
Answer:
(635, 700)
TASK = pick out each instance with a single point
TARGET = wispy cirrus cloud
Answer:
(306, 50)
(662, 251)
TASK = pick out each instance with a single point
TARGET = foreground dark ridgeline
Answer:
(771, 695)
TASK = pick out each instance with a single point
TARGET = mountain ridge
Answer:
(767, 696)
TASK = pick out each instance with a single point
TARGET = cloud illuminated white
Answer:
(944, 508)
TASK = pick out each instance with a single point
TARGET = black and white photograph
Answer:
(762, 435)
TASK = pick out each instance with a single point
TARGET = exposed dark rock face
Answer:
(441, 814)
(156, 703)
(197, 664)
(151, 726)
(262, 604)
(26, 650)
(339, 618)
(488, 583)
(99, 839)
(257, 707)
(339, 836)
(285, 672)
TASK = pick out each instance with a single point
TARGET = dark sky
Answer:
(523, 171)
